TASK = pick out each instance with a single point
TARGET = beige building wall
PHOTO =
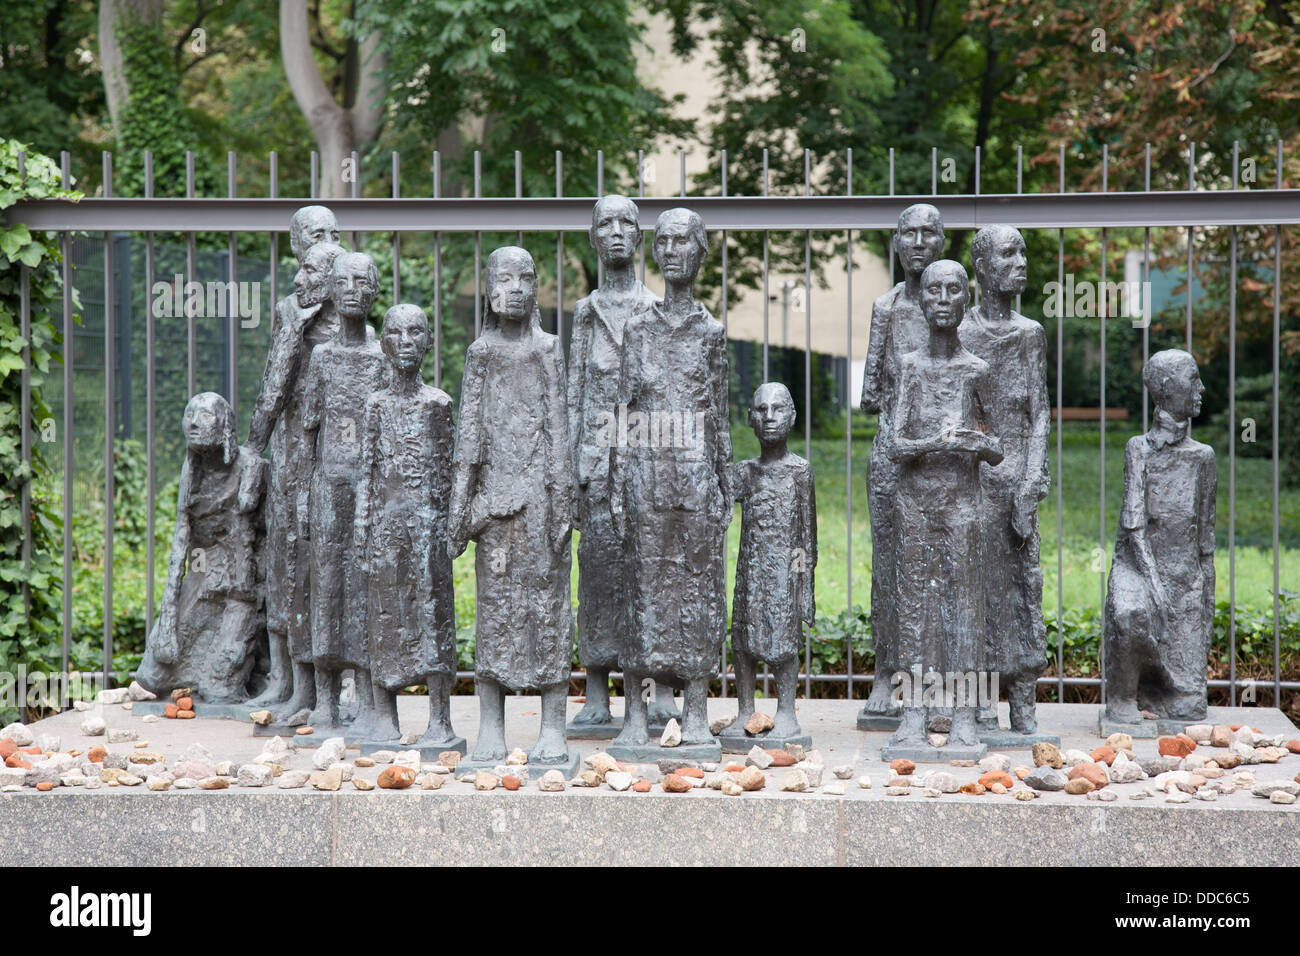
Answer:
(828, 308)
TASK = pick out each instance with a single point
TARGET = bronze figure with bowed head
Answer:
(1015, 349)
(212, 609)
(673, 492)
(940, 433)
(400, 534)
(340, 378)
(302, 321)
(774, 596)
(1160, 595)
(595, 370)
(512, 496)
(897, 327)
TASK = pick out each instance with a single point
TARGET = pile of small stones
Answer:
(1197, 764)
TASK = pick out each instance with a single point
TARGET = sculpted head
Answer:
(209, 424)
(772, 414)
(310, 225)
(511, 281)
(1174, 382)
(998, 255)
(945, 290)
(615, 231)
(680, 244)
(919, 238)
(405, 336)
(354, 284)
(312, 281)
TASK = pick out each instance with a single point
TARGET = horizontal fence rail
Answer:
(772, 213)
(1188, 209)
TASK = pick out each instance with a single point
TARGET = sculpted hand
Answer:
(1022, 516)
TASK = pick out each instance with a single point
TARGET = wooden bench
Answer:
(1071, 414)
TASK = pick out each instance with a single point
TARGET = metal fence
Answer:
(848, 216)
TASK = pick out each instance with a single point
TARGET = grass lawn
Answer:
(1082, 562)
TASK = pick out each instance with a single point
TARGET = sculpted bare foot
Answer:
(551, 748)
(786, 726)
(593, 713)
(881, 700)
(439, 733)
(489, 751)
(963, 728)
(911, 729)
(380, 728)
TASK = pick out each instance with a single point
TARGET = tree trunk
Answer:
(338, 131)
(116, 90)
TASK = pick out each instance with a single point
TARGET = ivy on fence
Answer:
(29, 623)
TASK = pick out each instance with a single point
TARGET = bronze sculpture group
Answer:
(336, 555)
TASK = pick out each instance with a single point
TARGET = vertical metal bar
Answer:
(681, 170)
(559, 252)
(724, 245)
(765, 303)
(191, 332)
(1232, 444)
(313, 185)
(274, 192)
(1020, 183)
(25, 330)
(1060, 460)
(934, 170)
(519, 191)
(68, 581)
(848, 423)
(397, 235)
(110, 357)
(600, 191)
(25, 410)
(1101, 442)
(977, 192)
(151, 490)
(1277, 301)
(723, 168)
(1146, 285)
(232, 312)
(807, 378)
(356, 192)
(437, 278)
(1191, 185)
(892, 257)
(478, 248)
(640, 191)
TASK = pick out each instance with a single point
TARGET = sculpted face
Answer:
(944, 292)
(207, 422)
(1175, 383)
(772, 414)
(355, 284)
(310, 225)
(679, 245)
(615, 230)
(312, 282)
(919, 239)
(405, 336)
(512, 283)
(999, 259)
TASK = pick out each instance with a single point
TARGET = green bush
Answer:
(29, 623)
